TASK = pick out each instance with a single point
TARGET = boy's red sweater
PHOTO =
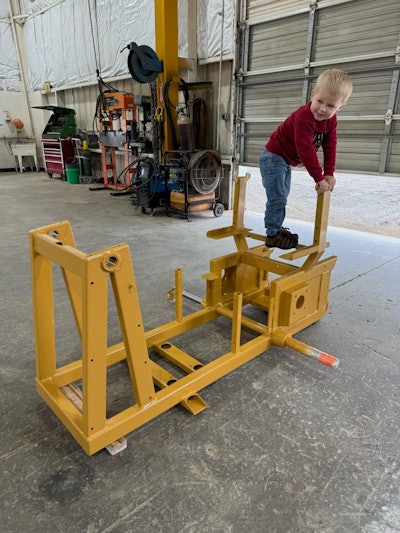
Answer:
(299, 137)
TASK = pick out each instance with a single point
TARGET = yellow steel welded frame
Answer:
(295, 296)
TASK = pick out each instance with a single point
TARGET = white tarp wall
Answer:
(209, 23)
(66, 44)
(9, 68)
(67, 40)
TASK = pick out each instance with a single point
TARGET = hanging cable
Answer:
(96, 53)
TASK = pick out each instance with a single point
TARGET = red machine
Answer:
(116, 113)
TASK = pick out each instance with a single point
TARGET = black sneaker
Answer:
(283, 239)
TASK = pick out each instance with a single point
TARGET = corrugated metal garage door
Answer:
(285, 44)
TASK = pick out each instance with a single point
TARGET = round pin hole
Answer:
(111, 261)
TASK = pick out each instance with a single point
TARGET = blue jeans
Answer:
(276, 176)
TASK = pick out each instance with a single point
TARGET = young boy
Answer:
(296, 142)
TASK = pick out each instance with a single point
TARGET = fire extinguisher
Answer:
(18, 123)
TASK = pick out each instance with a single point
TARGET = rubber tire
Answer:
(218, 210)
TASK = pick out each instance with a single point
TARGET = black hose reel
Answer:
(143, 63)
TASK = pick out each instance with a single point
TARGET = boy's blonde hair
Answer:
(336, 82)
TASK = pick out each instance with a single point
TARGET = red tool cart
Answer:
(58, 148)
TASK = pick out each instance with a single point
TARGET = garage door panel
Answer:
(270, 42)
(291, 75)
(361, 14)
(267, 102)
(396, 131)
(254, 138)
(289, 43)
(394, 161)
(361, 128)
(348, 29)
(354, 155)
(371, 95)
(274, 110)
(273, 8)
(252, 150)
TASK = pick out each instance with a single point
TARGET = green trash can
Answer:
(72, 172)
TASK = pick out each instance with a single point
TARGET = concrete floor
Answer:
(286, 445)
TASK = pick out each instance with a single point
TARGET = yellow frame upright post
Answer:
(166, 29)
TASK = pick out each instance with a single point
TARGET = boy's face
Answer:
(324, 104)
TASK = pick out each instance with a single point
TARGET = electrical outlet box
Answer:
(7, 116)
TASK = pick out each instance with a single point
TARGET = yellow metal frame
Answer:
(166, 29)
(295, 296)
